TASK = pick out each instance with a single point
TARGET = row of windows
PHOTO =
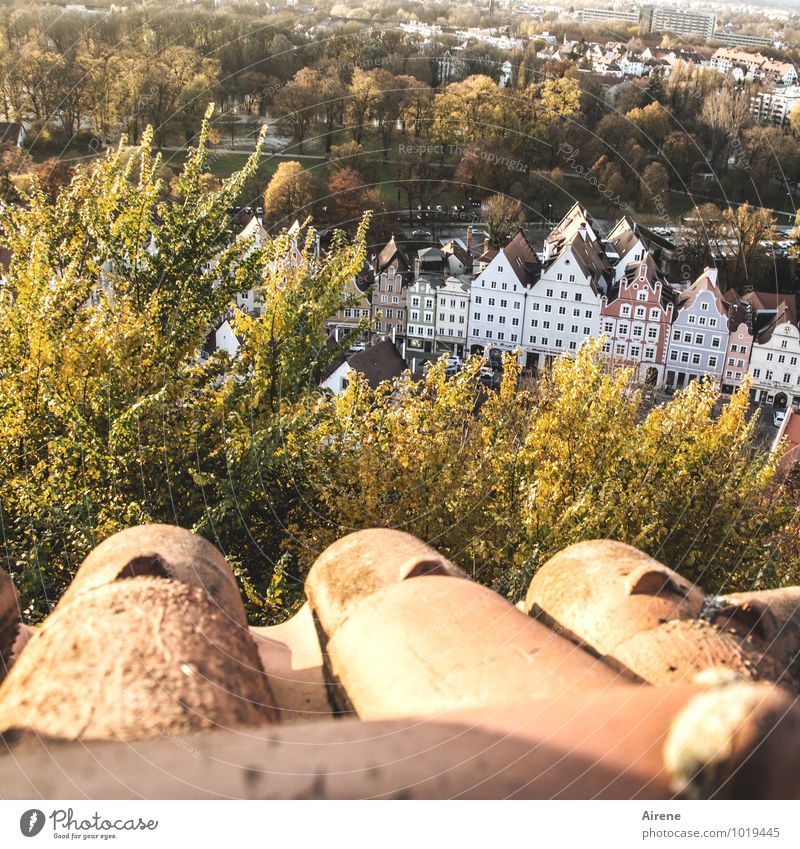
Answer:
(619, 350)
(355, 313)
(395, 299)
(390, 313)
(561, 310)
(768, 375)
(453, 318)
(684, 357)
(701, 320)
(501, 319)
(587, 331)
(699, 339)
(503, 286)
(640, 312)
(638, 330)
(501, 336)
(429, 302)
(419, 331)
(781, 358)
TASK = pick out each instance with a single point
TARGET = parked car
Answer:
(777, 417)
(422, 231)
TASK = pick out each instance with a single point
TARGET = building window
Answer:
(756, 372)
(491, 302)
(691, 319)
(477, 299)
(549, 293)
(699, 339)
(576, 313)
(768, 375)
(476, 316)
(684, 356)
(712, 362)
(676, 335)
(626, 310)
(535, 306)
(695, 359)
(578, 295)
(587, 331)
(608, 327)
(702, 320)
(588, 314)
(639, 312)
(563, 295)
(770, 357)
(548, 307)
(673, 355)
(704, 306)
(503, 303)
(562, 310)
(572, 278)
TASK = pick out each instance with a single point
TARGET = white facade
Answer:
(562, 310)
(775, 367)
(337, 381)
(452, 315)
(497, 307)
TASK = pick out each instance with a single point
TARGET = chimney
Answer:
(469, 238)
(416, 266)
(485, 245)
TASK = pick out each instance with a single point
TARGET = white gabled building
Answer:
(497, 303)
(563, 304)
(775, 361)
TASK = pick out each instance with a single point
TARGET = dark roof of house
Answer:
(523, 259)
(453, 248)
(378, 362)
(392, 253)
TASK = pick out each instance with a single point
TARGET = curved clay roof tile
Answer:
(437, 643)
(601, 593)
(163, 551)
(134, 659)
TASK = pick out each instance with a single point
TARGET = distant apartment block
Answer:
(737, 39)
(677, 21)
(774, 107)
(588, 15)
